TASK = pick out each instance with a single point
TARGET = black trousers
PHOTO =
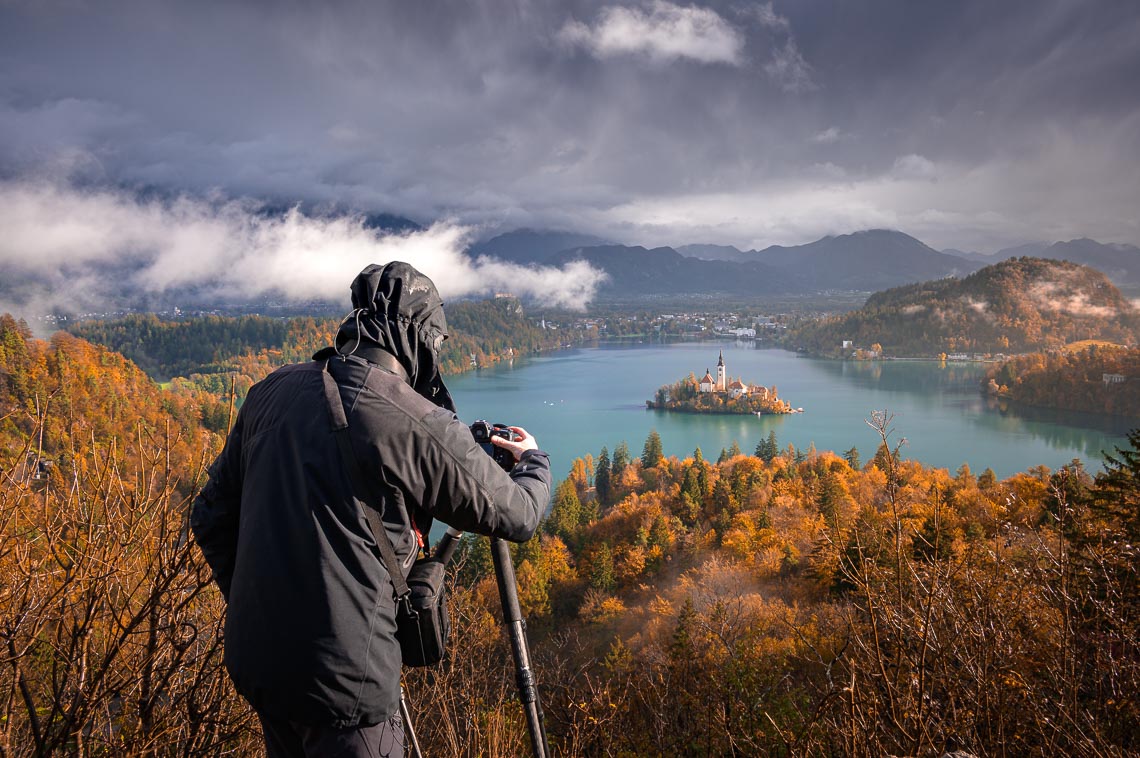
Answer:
(288, 739)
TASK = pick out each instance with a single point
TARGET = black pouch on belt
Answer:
(422, 623)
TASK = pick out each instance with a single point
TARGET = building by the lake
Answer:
(736, 388)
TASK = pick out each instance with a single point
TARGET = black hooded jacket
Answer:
(310, 626)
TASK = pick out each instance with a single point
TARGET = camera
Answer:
(483, 431)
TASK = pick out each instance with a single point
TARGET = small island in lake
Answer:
(719, 395)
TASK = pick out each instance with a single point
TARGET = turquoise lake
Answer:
(575, 401)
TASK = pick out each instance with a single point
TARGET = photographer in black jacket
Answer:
(311, 619)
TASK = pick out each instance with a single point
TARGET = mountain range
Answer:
(863, 261)
(1120, 263)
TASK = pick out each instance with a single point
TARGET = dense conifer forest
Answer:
(768, 602)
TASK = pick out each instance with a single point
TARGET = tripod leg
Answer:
(409, 730)
(516, 628)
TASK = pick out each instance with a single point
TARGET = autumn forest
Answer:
(757, 601)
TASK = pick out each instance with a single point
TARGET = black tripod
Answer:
(516, 629)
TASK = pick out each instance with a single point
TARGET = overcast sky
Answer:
(974, 124)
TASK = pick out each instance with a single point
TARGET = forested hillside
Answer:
(790, 602)
(1073, 380)
(484, 332)
(206, 354)
(165, 348)
(801, 603)
(1018, 305)
(109, 623)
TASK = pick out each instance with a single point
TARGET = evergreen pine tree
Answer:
(602, 478)
(651, 454)
(620, 461)
(566, 513)
(768, 448)
(1117, 495)
(602, 568)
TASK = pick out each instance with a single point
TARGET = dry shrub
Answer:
(111, 632)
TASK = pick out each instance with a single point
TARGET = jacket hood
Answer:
(397, 309)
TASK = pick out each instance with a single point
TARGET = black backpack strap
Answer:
(361, 483)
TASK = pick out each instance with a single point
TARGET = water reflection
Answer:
(961, 381)
(916, 377)
(1060, 429)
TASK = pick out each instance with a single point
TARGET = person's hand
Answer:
(517, 446)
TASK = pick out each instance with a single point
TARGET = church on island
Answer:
(735, 388)
(718, 395)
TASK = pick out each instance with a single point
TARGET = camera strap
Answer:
(362, 484)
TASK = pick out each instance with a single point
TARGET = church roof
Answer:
(708, 378)
(736, 385)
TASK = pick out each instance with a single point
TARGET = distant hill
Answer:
(530, 246)
(1120, 263)
(637, 271)
(1028, 250)
(972, 255)
(864, 261)
(387, 222)
(714, 252)
(1018, 305)
(871, 259)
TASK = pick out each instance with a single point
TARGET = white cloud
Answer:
(661, 32)
(789, 69)
(914, 166)
(233, 249)
(828, 136)
(767, 16)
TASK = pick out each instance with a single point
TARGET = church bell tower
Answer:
(721, 384)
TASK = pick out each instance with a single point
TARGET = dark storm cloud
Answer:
(974, 124)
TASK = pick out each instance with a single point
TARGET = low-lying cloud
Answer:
(1063, 297)
(71, 239)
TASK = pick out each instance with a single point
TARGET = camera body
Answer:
(483, 431)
